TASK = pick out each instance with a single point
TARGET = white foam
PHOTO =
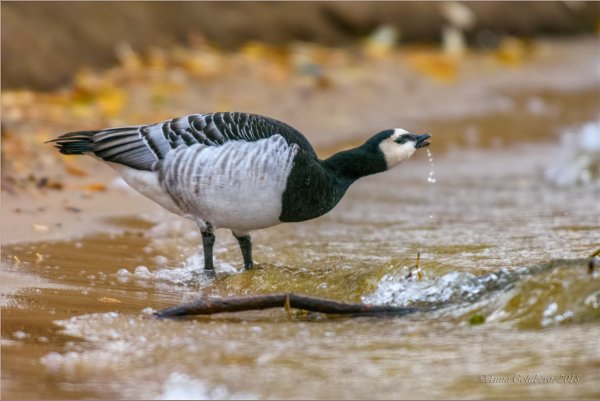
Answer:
(20, 335)
(120, 344)
(579, 162)
(180, 386)
(551, 309)
(161, 260)
(550, 317)
(396, 289)
(593, 300)
(192, 271)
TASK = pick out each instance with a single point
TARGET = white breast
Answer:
(238, 185)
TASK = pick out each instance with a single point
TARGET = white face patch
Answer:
(394, 152)
(398, 132)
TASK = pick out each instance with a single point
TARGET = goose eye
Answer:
(402, 139)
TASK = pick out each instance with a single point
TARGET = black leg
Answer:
(246, 246)
(208, 240)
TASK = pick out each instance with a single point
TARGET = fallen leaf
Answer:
(109, 300)
(111, 100)
(76, 171)
(513, 51)
(40, 227)
(44, 182)
(55, 185)
(435, 65)
(129, 59)
(96, 187)
(205, 63)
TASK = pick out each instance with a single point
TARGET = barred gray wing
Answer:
(140, 147)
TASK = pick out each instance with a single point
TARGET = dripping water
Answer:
(431, 178)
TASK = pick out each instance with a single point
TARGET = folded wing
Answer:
(140, 147)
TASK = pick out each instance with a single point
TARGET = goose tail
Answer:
(124, 145)
(75, 143)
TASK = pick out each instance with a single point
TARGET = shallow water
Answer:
(502, 245)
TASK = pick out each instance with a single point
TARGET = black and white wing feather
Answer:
(140, 147)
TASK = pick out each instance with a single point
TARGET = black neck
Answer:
(315, 187)
(350, 165)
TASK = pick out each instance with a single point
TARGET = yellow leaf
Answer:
(435, 65)
(86, 81)
(76, 171)
(255, 50)
(96, 187)
(129, 59)
(111, 100)
(513, 51)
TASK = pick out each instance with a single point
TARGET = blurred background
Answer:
(44, 45)
(335, 70)
(502, 207)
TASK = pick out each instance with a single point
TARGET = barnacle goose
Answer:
(237, 170)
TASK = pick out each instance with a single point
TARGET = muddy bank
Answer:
(530, 99)
(44, 44)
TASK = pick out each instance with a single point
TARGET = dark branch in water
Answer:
(208, 306)
(212, 305)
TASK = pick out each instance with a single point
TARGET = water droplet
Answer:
(431, 178)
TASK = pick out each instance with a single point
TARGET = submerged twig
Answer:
(592, 261)
(208, 306)
(416, 266)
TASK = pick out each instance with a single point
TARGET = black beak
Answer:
(421, 141)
